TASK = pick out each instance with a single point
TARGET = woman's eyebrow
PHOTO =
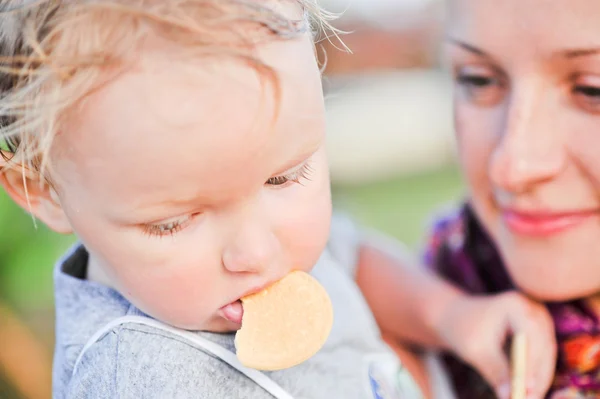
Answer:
(579, 52)
(468, 47)
(566, 53)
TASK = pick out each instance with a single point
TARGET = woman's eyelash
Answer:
(475, 80)
(169, 228)
(304, 173)
(590, 91)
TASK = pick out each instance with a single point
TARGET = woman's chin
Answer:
(558, 293)
(553, 278)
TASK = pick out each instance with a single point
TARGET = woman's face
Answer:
(527, 118)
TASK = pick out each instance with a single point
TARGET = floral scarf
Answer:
(463, 253)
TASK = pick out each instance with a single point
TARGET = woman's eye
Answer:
(298, 176)
(587, 97)
(474, 81)
(168, 227)
(479, 86)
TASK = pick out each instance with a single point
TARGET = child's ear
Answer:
(24, 187)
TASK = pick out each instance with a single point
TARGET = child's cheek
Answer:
(309, 236)
(177, 295)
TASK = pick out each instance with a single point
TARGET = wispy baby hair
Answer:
(53, 53)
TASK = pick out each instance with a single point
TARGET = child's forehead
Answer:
(195, 119)
(161, 107)
(166, 90)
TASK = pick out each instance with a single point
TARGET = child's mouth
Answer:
(233, 312)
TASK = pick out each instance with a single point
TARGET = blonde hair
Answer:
(53, 53)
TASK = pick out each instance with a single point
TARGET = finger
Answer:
(493, 365)
(538, 328)
(542, 354)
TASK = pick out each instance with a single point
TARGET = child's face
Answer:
(186, 192)
(527, 117)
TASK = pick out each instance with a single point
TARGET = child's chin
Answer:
(220, 325)
(216, 324)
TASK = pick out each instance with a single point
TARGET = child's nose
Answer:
(253, 250)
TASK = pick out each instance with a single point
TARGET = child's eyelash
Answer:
(173, 226)
(303, 173)
(170, 228)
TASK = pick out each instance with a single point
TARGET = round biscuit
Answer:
(284, 324)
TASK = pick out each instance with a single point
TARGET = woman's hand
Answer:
(476, 328)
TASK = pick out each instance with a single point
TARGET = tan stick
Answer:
(519, 360)
(24, 360)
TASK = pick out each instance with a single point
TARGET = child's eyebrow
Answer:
(298, 160)
(179, 202)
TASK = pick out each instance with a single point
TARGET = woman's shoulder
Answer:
(459, 249)
(447, 231)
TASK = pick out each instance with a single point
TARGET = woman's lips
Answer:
(233, 312)
(541, 223)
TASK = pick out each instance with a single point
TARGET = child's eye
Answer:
(295, 177)
(168, 227)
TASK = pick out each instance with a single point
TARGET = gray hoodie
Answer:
(135, 360)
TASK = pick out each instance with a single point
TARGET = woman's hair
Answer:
(53, 53)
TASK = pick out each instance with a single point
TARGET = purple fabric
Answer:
(461, 251)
